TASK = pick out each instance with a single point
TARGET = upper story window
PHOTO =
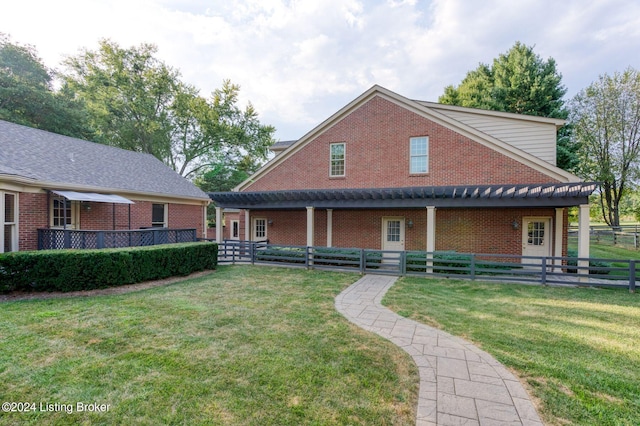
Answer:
(337, 159)
(159, 215)
(419, 155)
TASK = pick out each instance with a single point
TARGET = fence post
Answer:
(403, 263)
(632, 276)
(100, 239)
(543, 276)
(252, 252)
(472, 266)
(363, 261)
(306, 257)
(66, 238)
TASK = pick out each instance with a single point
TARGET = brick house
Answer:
(387, 172)
(49, 181)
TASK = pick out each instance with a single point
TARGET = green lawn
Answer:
(244, 345)
(578, 349)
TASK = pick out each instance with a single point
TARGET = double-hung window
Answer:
(337, 159)
(419, 155)
(8, 232)
(159, 215)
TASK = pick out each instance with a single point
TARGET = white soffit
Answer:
(92, 196)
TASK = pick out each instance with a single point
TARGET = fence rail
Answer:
(81, 239)
(616, 273)
(625, 235)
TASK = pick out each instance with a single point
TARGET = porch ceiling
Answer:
(533, 195)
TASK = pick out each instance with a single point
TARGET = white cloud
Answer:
(300, 61)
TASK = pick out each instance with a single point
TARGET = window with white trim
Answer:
(235, 230)
(9, 241)
(259, 229)
(337, 159)
(61, 210)
(159, 215)
(419, 155)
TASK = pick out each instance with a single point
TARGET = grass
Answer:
(244, 345)
(577, 349)
(607, 251)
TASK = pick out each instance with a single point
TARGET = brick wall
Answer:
(377, 156)
(33, 214)
(463, 230)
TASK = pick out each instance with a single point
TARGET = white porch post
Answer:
(329, 227)
(559, 236)
(219, 224)
(583, 240)
(310, 227)
(431, 236)
(247, 226)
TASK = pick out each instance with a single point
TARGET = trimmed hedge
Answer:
(338, 257)
(72, 270)
(571, 253)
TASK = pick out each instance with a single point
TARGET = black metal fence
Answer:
(616, 273)
(79, 239)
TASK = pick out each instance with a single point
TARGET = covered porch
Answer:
(417, 218)
(87, 220)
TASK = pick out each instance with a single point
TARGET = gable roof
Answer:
(434, 113)
(39, 158)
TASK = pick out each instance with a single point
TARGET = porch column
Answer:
(310, 227)
(583, 239)
(329, 227)
(559, 236)
(219, 224)
(431, 236)
(247, 226)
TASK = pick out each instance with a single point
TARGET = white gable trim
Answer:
(425, 111)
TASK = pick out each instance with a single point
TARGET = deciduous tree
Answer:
(137, 102)
(606, 119)
(27, 96)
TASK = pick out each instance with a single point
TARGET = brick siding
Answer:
(376, 137)
(464, 230)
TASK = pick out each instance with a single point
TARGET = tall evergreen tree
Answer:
(518, 81)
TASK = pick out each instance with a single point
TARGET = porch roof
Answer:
(470, 196)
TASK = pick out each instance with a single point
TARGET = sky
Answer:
(300, 61)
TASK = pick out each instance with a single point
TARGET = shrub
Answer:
(70, 270)
(573, 261)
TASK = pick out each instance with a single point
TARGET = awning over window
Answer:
(92, 196)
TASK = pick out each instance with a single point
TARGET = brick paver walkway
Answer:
(459, 383)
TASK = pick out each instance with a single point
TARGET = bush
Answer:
(338, 257)
(573, 261)
(71, 270)
(443, 263)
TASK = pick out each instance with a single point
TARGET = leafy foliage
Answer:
(521, 82)
(137, 102)
(606, 118)
(27, 96)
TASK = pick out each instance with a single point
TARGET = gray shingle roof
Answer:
(44, 156)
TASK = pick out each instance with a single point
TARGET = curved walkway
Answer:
(459, 383)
